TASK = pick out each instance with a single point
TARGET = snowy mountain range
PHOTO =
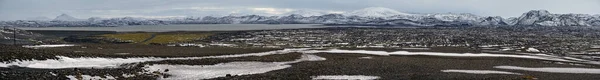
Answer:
(375, 12)
(545, 18)
(374, 16)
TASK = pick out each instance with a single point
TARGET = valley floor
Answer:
(294, 64)
(477, 53)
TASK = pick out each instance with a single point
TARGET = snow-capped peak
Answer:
(65, 17)
(537, 13)
(375, 12)
(307, 13)
(453, 16)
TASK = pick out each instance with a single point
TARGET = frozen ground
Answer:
(67, 62)
(479, 71)
(553, 69)
(185, 72)
(98, 62)
(88, 77)
(48, 46)
(406, 53)
(344, 77)
(179, 72)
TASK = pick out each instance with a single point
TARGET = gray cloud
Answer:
(21, 9)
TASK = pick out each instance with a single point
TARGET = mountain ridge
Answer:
(65, 17)
(375, 12)
(375, 16)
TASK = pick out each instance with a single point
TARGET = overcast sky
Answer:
(23, 9)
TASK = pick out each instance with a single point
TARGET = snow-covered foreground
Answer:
(186, 72)
(479, 71)
(245, 68)
(88, 77)
(48, 46)
(406, 53)
(553, 69)
(67, 62)
(344, 77)
(98, 62)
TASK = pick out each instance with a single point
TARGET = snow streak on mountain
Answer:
(373, 16)
(65, 17)
(375, 12)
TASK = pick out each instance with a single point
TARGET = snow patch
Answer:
(532, 50)
(479, 71)
(98, 62)
(365, 58)
(48, 46)
(344, 77)
(181, 72)
(184, 72)
(67, 62)
(53, 74)
(128, 75)
(88, 77)
(406, 53)
(553, 69)
(417, 48)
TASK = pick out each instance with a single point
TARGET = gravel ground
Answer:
(156, 50)
(134, 68)
(212, 61)
(386, 67)
(413, 68)
(11, 53)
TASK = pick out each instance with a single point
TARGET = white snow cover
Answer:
(181, 72)
(7, 32)
(345, 77)
(67, 62)
(532, 50)
(384, 53)
(48, 46)
(65, 17)
(375, 12)
(365, 58)
(185, 72)
(97, 62)
(88, 77)
(553, 69)
(479, 71)
(417, 48)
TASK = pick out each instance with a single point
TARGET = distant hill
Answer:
(374, 16)
(65, 17)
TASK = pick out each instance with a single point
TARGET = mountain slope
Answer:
(375, 12)
(65, 17)
(374, 16)
(545, 18)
